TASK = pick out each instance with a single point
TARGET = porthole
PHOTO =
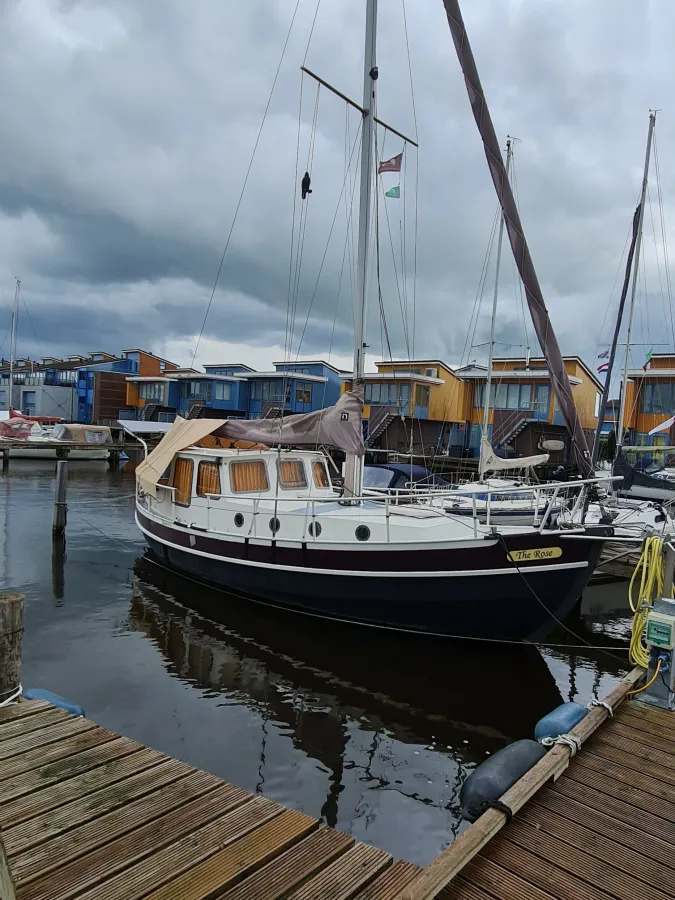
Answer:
(362, 533)
(239, 520)
(275, 525)
(314, 529)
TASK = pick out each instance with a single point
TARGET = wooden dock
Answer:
(85, 813)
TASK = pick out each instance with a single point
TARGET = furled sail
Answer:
(490, 462)
(579, 453)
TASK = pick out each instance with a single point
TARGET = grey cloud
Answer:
(127, 130)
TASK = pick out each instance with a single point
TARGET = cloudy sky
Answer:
(128, 127)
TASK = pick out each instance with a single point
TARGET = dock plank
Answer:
(26, 724)
(63, 769)
(620, 728)
(608, 826)
(495, 881)
(54, 795)
(623, 775)
(610, 738)
(293, 867)
(618, 807)
(343, 879)
(391, 882)
(229, 864)
(648, 725)
(599, 860)
(19, 710)
(42, 756)
(88, 871)
(64, 818)
(26, 742)
(628, 760)
(132, 817)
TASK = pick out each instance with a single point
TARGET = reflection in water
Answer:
(372, 731)
(320, 683)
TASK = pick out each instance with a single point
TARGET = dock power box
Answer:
(660, 638)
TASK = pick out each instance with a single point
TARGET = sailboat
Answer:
(639, 483)
(249, 505)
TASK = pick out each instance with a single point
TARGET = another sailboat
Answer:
(268, 524)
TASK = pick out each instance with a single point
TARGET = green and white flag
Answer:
(648, 359)
(395, 192)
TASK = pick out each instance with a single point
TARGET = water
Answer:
(372, 732)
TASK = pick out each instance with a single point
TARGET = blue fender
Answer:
(54, 699)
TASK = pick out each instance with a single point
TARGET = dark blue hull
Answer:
(511, 606)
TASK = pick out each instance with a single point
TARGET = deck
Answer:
(85, 813)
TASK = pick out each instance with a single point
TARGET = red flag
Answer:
(391, 165)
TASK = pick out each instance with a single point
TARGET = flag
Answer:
(394, 192)
(391, 165)
(664, 426)
(649, 356)
(604, 354)
(603, 368)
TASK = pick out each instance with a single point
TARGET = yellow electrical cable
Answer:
(649, 683)
(652, 576)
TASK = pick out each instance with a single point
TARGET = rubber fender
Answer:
(54, 699)
(561, 720)
(486, 784)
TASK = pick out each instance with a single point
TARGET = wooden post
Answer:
(5, 458)
(11, 637)
(60, 491)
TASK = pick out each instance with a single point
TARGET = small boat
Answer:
(38, 442)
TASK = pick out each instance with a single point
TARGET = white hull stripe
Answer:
(509, 570)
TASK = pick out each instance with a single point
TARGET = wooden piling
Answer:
(11, 639)
(60, 493)
(5, 458)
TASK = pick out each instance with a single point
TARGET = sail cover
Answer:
(490, 462)
(542, 324)
(338, 426)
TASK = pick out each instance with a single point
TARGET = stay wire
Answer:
(246, 177)
(664, 240)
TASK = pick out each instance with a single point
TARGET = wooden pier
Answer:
(85, 813)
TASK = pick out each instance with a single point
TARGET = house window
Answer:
(291, 473)
(208, 479)
(320, 474)
(248, 476)
(303, 392)
(3, 397)
(505, 396)
(378, 394)
(657, 398)
(222, 390)
(270, 390)
(422, 395)
(151, 390)
(182, 481)
(541, 399)
(196, 390)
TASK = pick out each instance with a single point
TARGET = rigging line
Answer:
(517, 279)
(656, 253)
(412, 87)
(311, 31)
(246, 177)
(295, 201)
(471, 331)
(666, 259)
(380, 299)
(393, 257)
(304, 214)
(325, 252)
(417, 181)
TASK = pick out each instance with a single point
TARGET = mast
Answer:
(488, 385)
(354, 469)
(12, 341)
(631, 309)
(579, 453)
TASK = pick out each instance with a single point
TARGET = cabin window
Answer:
(182, 481)
(422, 395)
(320, 474)
(208, 479)
(248, 476)
(303, 392)
(291, 473)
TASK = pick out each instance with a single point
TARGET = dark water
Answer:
(370, 731)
